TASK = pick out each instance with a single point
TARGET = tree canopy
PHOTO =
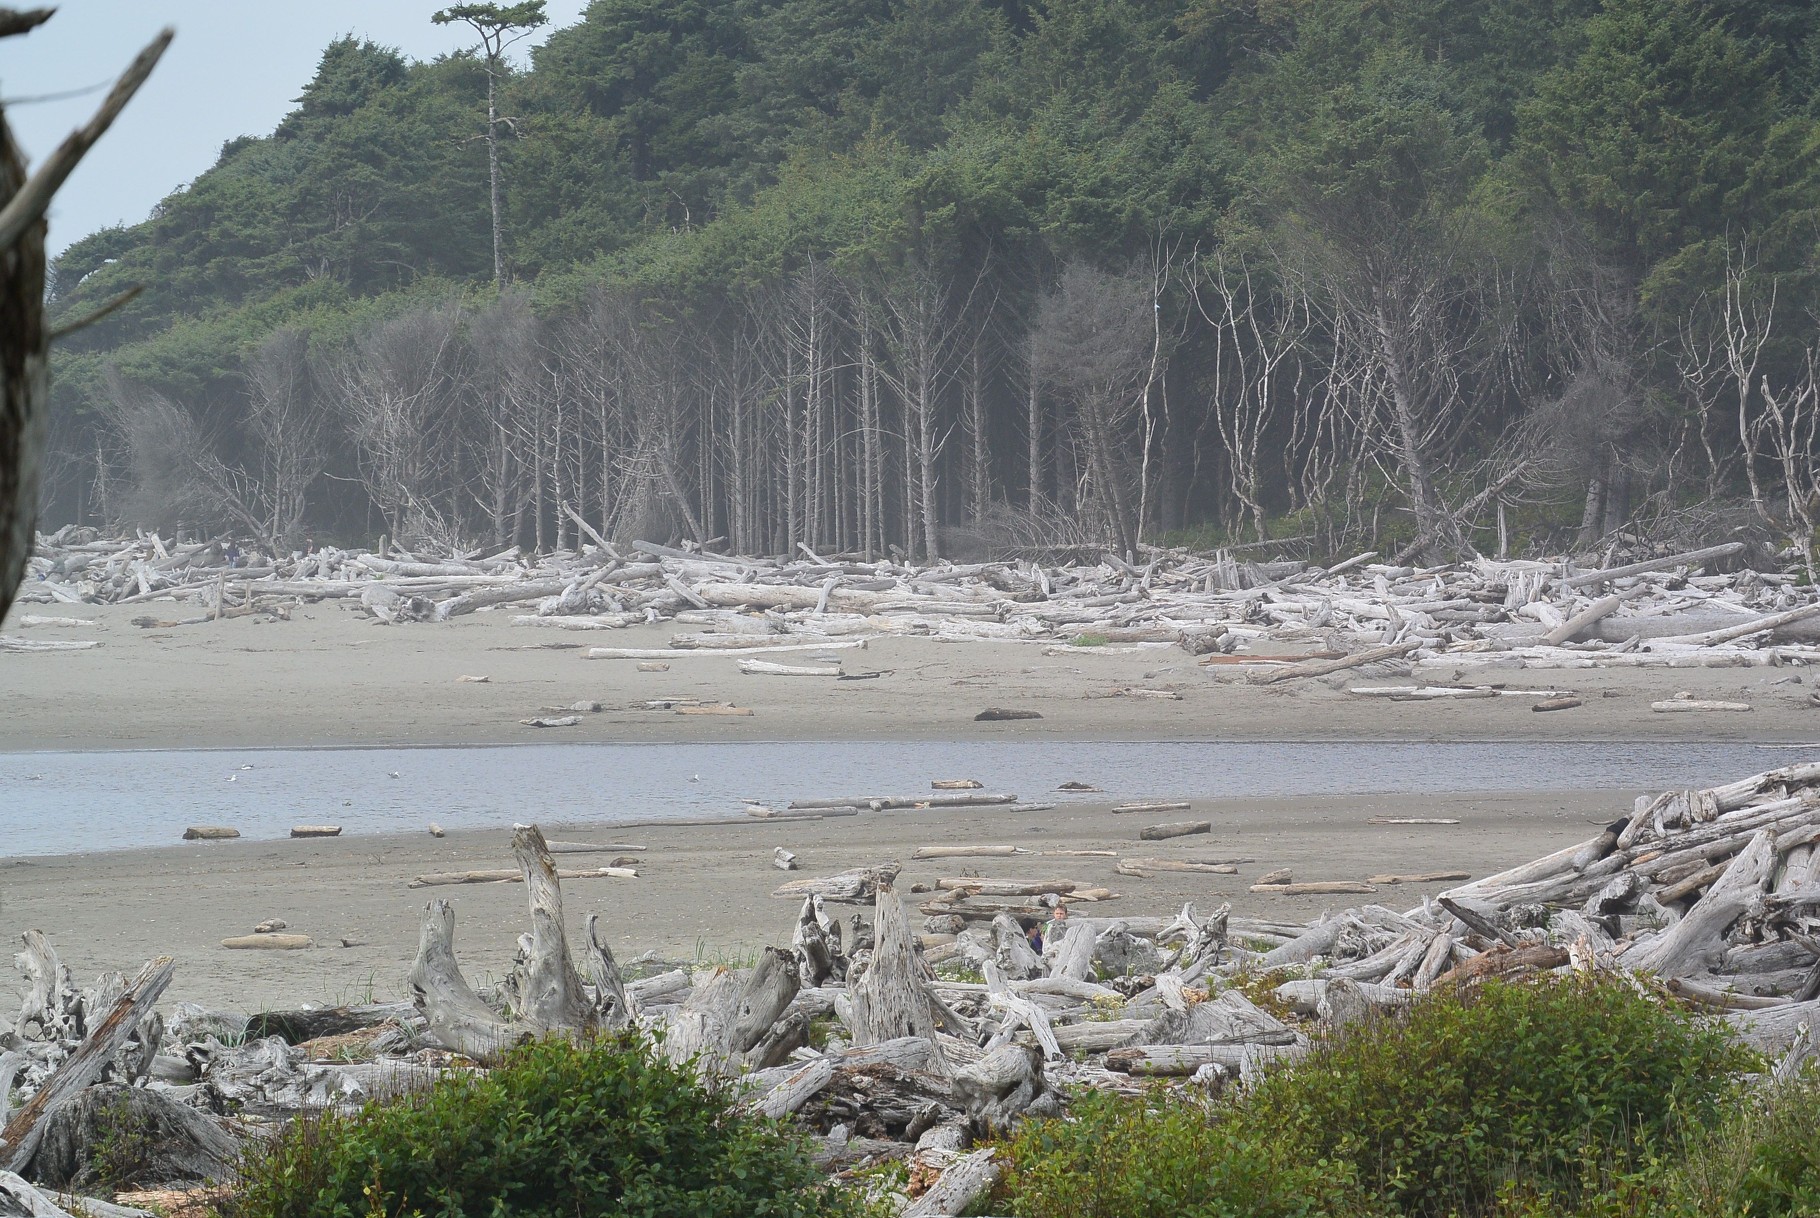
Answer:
(1477, 209)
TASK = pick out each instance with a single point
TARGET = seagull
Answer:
(233, 777)
(695, 778)
(394, 773)
(246, 767)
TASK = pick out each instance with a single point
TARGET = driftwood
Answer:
(1320, 668)
(960, 1186)
(1184, 828)
(1516, 614)
(1697, 939)
(269, 941)
(1000, 1087)
(1717, 891)
(1692, 558)
(891, 995)
(181, 1145)
(980, 886)
(958, 852)
(503, 875)
(546, 991)
(856, 886)
(96, 1053)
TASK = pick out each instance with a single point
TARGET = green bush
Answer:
(1549, 1083)
(1762, 1161)
(1517, 1100)
(1165, 1157)
(557, 1131)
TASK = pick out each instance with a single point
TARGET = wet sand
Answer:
(704, 892)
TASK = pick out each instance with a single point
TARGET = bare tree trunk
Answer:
(24, 379)
(925, 465)
(1434, 527)
(1033, 426)
(1593, 517)
(499, 257)
(973, 415)
(872, 474)
(24, 337)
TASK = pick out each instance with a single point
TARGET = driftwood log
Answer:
(92, 1058)
(176, 1143)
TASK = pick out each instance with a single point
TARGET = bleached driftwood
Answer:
(98, 1050)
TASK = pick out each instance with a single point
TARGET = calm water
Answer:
(52, 803)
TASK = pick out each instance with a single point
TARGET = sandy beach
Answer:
(330, 678)
(705, 893)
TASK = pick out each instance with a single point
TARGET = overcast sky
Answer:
(233, 70)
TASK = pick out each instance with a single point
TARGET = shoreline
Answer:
(331, 679)
(1285, 740)
(705, 892)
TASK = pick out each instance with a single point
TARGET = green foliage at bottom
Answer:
(610, 1130)
(1117, 1157)
(1762, 1161)
(1515, 1101)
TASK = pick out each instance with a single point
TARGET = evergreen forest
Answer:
(937, 278)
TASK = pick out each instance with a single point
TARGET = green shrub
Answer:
(556, 1132)
(1551, 1084)
(1164, 1157)
(1550, 1099)
(1762, 1161)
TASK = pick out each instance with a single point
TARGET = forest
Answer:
(939, 278)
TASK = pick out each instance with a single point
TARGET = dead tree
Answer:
(1255, 333)
(923, 318)
(398, 386)
(285, 426)
(1094, 345)
(24, 335)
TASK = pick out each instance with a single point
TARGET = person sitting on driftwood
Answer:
(1058, 921)
(1033, 933)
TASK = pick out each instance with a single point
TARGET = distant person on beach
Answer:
(1058, 922)
(233, 554)
(1033, 933)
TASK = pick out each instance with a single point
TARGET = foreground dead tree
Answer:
(24, 336)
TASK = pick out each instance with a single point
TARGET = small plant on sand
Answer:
(1089, 640)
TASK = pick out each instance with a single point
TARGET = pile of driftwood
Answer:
(1658, 611)
(885, 1042)
(865, 1035)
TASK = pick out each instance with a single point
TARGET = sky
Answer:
(233, 70)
